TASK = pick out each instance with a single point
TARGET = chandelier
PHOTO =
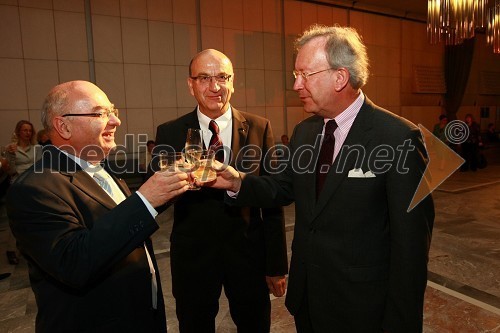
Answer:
(493, 30)
(452, 21)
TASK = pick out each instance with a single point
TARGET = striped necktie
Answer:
(104, 184)
(216, 142)
(118, 198)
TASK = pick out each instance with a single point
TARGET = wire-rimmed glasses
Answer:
(305, 75)
(205, 79)
(105, 113)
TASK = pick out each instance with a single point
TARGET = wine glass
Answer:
(170, 160)
(194, 145)
(193, 150)
(176, 161)
(204, 171)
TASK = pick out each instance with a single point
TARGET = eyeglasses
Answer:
(104, 114)
(306, 75)
(204, 79)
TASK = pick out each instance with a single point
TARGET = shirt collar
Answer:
(223, 121)
(86, 166)
(345, 119)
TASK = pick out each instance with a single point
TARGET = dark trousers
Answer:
(303, 318)
(4, 185)
(197, 296)
(198, 315)
(304, 322)
(470, 153)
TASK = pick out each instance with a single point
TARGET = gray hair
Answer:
(344, 47)
(55, 104)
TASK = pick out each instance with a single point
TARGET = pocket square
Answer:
(358, 173)
(369, 174)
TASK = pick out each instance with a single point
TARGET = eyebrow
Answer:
(207, 74)
(99, 107)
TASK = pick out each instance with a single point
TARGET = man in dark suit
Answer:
(213, 244)
(359, 260)
(85, 236)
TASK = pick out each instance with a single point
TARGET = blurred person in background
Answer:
(439, 128)
(21, 153)
(42, 137)
(470, 147)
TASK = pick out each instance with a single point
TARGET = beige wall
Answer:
(142, 49)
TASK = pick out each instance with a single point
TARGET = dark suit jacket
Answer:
(357, 252)
(204, 224)
(87, 264)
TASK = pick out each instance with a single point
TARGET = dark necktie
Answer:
(325, 159)
(215, 141)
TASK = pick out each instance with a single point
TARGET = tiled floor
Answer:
(463, 294)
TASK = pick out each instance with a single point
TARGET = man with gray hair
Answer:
(359, 260)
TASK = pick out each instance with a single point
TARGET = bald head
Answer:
(81, 120)
(208, 56)
(210, 82)
(64, 97)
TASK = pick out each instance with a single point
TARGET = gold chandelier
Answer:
(452, 21)
(493, 31)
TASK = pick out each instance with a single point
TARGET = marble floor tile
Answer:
(446, 314)
(13, 304)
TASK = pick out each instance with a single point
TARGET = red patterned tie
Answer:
(215, 141)
(325, 159)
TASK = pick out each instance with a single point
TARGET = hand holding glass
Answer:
(174, 161)
(204, 172)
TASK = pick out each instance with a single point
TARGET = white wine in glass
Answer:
(193, 150)
(204, 172)
(194, 145)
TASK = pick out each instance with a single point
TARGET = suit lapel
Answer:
(79, 178)
(239, 135)
(359, 135)
(310, 137)
(122, 185)
(84, 182)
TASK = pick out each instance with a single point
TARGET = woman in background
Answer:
(21, 154)
(22, 151)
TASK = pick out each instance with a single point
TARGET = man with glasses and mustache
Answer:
(359, 260)
(214, 245)
(85, 236)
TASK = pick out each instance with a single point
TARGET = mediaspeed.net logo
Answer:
(443, 161)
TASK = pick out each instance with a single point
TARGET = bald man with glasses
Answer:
(85, 236)
(214, 245)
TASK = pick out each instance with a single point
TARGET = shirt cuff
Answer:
(151, 209)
